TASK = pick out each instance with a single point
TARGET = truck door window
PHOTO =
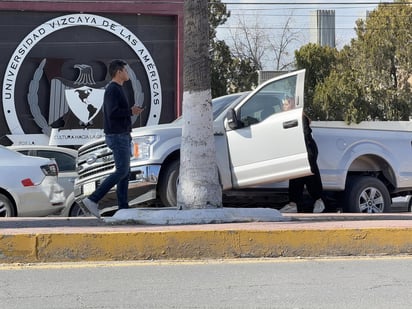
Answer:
(267, 101)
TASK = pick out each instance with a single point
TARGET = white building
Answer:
(322, 27)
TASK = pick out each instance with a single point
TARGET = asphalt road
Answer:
(273, 283)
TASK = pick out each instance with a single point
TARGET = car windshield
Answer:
(219, 104)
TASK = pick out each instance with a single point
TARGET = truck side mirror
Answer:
(232, 121)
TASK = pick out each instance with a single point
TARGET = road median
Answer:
(36, 240)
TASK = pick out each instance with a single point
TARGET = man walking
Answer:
(117, 127)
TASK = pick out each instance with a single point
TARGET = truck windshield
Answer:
(220, 104)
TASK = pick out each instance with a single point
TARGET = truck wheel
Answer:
(366, 195)
(168, 184)
(6, 207)
(76, 211)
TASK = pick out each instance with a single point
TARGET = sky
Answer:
(272, 15)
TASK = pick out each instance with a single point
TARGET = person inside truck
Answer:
(117, 128)
(288, 103)
(313, 182)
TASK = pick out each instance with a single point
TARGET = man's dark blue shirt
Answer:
(116, 110)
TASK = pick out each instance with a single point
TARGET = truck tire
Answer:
(168, 184)
(6, 207)
(366, 194)
(76, 211)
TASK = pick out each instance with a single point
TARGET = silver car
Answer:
(28, 185)
(66, 161)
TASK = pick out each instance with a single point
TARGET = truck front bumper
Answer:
(142, 187)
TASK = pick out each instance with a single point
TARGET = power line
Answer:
(246, 6)
(302, 15)
(314, 3)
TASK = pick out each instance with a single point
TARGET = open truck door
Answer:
(266, 143)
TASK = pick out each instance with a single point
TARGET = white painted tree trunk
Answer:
(198, 180)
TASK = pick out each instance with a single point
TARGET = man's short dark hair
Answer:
(116, 65)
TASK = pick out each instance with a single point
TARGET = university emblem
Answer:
(83, 97)
(85, 102)
(74, 111)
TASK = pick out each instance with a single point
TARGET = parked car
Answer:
(28, 185)
(66, 161)
(259, 146)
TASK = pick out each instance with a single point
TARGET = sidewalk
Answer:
(55, 239)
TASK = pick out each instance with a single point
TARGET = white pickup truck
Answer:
(259, 146)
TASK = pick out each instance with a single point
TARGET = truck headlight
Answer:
(141, 147)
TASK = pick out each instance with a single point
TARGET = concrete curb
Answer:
(84, 239)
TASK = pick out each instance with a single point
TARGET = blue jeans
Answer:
(120, 146)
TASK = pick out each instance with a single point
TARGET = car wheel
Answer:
(366, 195)
(6, 207)
(76, 211)
(168, 184)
